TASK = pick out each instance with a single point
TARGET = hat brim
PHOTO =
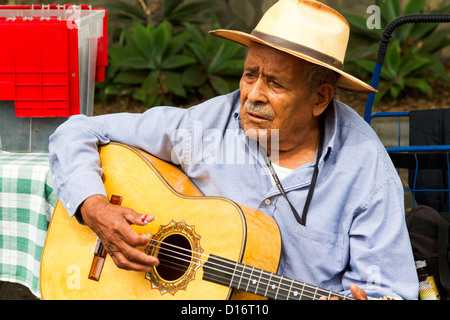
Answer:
(346, 81)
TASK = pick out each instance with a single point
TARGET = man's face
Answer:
(274, 96)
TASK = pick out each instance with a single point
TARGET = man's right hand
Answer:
(112, 224)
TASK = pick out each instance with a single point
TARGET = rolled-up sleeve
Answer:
(73, 147)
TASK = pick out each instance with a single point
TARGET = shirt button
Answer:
(68, 206)
(267, 201)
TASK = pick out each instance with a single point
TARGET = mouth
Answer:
(256, 116)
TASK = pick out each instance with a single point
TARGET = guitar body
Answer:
(199, 225)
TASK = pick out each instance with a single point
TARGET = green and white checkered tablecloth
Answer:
(26, 205)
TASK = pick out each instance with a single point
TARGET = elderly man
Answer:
(323, 174)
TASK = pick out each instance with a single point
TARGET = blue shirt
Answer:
(355, 230)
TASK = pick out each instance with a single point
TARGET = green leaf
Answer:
(413, 65)
(152, 100)
(419, 84)
(423, 30)
(358, 25)
(177, 61)
(396, 88)
(436, 41)
(414, 6)
(192, 77)
(392, 59)
(124, 9)
(138, 63)
(233, 67)
(437, 67)
(390, 9)
(382, 91)
(177, 43)
(226, 51)
(197, 36)
(200, 53)
(143, 40)
(120, 53)
(173, 84)
(366, 65)
(129, 77)
(150, 84)
(220, 85)
(193, 8)
(170, 5)
(163, 35)
(110, 90)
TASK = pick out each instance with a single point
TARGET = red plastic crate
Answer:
(39, 64)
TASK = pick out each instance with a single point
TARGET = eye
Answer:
(276, 85)
(248, 75)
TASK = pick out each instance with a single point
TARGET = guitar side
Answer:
(149, 185)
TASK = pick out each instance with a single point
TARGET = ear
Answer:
(323, 97)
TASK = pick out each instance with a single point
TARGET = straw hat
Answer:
(307, 29)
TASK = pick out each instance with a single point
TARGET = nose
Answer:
(257, 92)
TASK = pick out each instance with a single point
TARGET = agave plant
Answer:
(410, 62)
(162, 66)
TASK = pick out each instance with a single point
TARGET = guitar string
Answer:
(305, 288)
(281, 295)
(281, 278)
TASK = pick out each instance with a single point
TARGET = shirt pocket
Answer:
(316, 255)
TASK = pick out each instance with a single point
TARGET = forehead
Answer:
(267, 59)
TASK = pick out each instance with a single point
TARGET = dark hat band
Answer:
(280, 42)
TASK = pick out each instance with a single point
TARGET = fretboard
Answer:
(249, 279)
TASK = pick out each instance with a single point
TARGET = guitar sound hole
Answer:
(174, 257)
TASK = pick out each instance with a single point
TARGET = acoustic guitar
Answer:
(209, 248)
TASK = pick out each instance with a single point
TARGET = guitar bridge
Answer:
(99, 251)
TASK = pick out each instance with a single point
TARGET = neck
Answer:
(293, 155)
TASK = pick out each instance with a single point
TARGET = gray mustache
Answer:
(264, 111)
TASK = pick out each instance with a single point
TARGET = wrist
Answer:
(90, 207)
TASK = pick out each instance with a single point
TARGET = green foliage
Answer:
(410, 62)
(122, 14)
(161, 65)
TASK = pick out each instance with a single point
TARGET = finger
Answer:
(128, 234)
(132, 238)
(147, 218)
(357, 292)
(138, 219)
(137, 262)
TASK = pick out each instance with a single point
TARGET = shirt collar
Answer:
(330, 129)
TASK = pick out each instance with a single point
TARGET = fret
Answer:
(296, 292)
(263, 283)
(258, 281)
(268, 285)
(273, 286)
(315, 294)
(278, 288)
(290, 290)
(235, 275)
(301, 294)
(250, 280)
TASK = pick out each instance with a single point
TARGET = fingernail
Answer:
(148, 235)
(146, 219)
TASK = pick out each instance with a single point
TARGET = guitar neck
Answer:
(242, 277)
